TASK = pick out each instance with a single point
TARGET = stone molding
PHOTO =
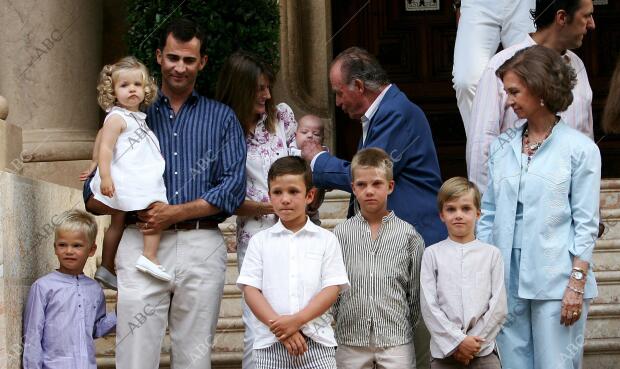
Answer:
(58, 144)
(10, 142)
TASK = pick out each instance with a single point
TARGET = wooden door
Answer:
(416, 49)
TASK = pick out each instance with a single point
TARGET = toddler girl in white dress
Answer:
(129, 165)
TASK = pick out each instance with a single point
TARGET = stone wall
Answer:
(29, 210)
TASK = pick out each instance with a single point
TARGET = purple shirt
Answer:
(63, 316)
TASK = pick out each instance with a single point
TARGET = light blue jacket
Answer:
(560, 209)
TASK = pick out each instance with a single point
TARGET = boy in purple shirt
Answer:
(66, 310)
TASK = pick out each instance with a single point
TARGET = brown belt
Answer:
(187, 225)
(192, 224)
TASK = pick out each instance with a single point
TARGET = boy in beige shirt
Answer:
(463, 298)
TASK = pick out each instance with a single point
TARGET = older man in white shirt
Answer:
(561, 25)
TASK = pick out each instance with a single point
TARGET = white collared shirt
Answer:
(372, 109)
(290, 269)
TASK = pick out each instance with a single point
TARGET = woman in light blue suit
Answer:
(541, 210)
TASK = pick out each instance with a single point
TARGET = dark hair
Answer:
(290, 165)
(357, 63)
(544, 14)
(545, 74)
(184, 30)
(611, 114)
(237, 85)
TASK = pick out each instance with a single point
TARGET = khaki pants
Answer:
(188, 305)
(491, 361)
(361, 357)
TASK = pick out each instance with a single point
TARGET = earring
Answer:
(542, 102)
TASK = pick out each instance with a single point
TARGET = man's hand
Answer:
(107, 187)
(284, 326)
(296, 344)
(157, 217)
(310, 149)
(470, 347)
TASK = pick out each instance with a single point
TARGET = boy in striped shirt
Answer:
(376, 317)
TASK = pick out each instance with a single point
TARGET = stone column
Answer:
(50, 62)
(305, 52)
(10, 142)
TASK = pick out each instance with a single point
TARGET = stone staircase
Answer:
(602, 345)
(228, 343)
(602, 341)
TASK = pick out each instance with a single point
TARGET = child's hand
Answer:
(85, 174)
(284, 326)
(470, 346)
(296, 344)
(107, 187)
(460, 358)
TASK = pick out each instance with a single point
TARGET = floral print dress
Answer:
(263, 149)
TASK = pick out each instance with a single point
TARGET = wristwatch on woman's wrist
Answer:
(578, 275)
(456, 4)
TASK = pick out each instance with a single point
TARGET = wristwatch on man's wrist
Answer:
(456, 4)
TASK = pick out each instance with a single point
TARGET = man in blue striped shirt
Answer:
(202, 143)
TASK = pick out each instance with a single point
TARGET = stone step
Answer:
(228, 340)
(606, 256)
(602, 341)
(601, 353)
(603, 322)
(608, 283)
(219, 360)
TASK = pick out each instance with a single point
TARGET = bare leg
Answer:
(111, 240)
(99, 208)
(151, 244)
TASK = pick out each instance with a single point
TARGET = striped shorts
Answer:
(276, 357)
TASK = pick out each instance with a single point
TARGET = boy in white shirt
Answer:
(291, 276)
(463, 297)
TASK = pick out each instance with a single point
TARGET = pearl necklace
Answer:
(532, 148)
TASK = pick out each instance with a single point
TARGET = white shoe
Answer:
(106, 278)
(145, 265)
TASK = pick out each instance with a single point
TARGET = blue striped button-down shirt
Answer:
(204, 150)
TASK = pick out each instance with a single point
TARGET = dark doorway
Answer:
(416, 48)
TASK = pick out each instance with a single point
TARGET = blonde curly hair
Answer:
(109, 75)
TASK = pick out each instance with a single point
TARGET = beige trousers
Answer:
(490, 361)
(371, 357)
(188, 305)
